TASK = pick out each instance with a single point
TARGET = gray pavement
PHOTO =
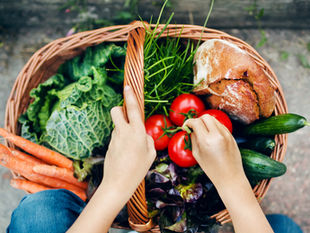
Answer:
(288, 194)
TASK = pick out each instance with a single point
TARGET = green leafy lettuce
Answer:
(44, 96)
(70, 111)
(100, 56)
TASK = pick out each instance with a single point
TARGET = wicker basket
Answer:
(45, 62)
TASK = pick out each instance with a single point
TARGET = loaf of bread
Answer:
(232, 81)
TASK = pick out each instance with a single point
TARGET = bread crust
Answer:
(235, 97)
(218, 60)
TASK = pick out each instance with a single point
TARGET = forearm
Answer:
(240, 201)
(100, 211)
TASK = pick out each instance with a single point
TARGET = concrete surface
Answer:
(288, 194)
(225, 14)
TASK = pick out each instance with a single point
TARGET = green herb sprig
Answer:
(168, 73)
(168, 67)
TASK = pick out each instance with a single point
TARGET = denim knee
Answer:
(51, 211)
(283, 224)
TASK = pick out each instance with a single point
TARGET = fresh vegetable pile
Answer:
(70, 114)
(43, 168)
(67, 128)
(177, 189)
(71, 110)
(180, 196)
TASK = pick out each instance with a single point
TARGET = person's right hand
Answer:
(217, 153)
(215, 149)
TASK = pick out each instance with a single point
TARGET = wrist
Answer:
(121, 192)
(110, 188)
(233, 181)
(111, 196)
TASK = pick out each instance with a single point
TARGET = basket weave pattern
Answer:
(45, 62)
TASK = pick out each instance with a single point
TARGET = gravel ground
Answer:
(288, 194)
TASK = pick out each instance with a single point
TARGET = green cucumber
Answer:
(258, 166)
(261, 144)
(280, 124)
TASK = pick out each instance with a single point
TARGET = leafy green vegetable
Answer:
(98, 56)
(44, 96)
(81, 120)
(191, 192)
(188, 191)
(172, 219)
(179, 226)
(70, 111)
(27, 130)
(76, 132)
(83, 168)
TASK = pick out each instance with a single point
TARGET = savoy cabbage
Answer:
(70, 112)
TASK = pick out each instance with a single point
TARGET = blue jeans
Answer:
(283, 224)
(51, 211)
(54, 211)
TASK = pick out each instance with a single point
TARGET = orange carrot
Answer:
(26, 169)
(38, 151)
(9, 161)
(59, 173)
(23, 156)
(28, 186)
(55, 183)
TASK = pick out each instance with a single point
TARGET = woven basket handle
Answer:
(134, 77)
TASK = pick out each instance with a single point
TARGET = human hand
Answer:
(130, 155)
(217, 153)
(215, 150)
(131, 151)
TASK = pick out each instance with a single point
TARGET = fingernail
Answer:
(126, 88)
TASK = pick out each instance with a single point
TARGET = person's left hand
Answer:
(130, 155)
(131, 151)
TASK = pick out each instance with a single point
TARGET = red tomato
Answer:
(154, 126)
(220, 116)
(182, 106)
(180, 156)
